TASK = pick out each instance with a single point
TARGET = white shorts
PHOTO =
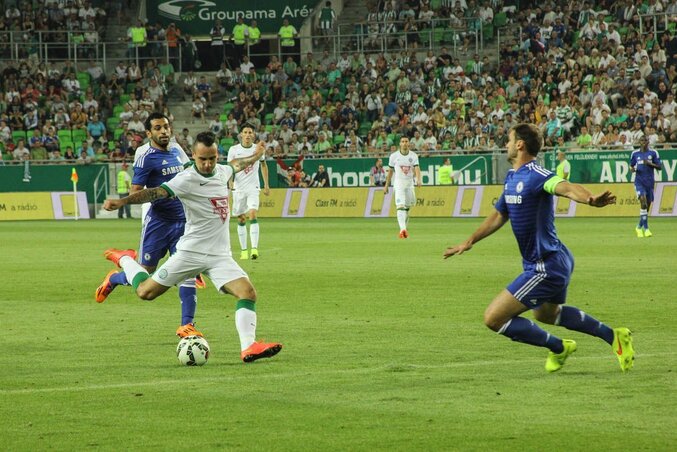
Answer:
(405, 196)
(244, 201)
(185, 264)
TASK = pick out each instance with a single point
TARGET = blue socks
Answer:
(119, 279)
(643, 219)
(574, 319)
(188, 303)
(524, 330)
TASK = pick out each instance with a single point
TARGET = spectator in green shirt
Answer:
(584, 140)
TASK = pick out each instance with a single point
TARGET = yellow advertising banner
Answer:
(26, 206)
(456, 201)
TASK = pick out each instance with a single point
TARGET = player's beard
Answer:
(161, 143)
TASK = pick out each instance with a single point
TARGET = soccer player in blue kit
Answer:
(643, 162)
(527, 201)
(164, 224)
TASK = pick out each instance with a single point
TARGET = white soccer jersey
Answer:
(248, 178)
(207, 208)
(403, 165)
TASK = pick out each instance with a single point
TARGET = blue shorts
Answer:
(544, 281)
(646, 190)
(158, 236)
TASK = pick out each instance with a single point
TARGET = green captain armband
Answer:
(551, 183)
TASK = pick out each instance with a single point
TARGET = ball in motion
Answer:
(193, 351)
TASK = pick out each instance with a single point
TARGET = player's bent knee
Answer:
(492, 322)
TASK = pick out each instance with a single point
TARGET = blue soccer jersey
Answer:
(644, 174)
(154, 168)
(530, 210)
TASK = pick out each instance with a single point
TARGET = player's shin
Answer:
(643, 218)
(245, 322)
(574, 319)
(188, 296)
(134, 272)
(402, 218)
(524, 330)
(254, 233)
(242, 235)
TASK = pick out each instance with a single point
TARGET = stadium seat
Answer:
(227, 142)
(227, 107)
(117, 133)
(112, 123)
(18, 135)
(424, 37)
(79, 135)
(500, 19)
(268, 119)
(130, 87)
(65, 144)
(117, 110)
(269, 128)
(339, 139)
(223, 117)
(438, 36)
(124, 98)
(64, 135)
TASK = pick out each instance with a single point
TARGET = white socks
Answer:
(245, 323)
(254, 234)
(402, 219)
(242, 235)
(131, 268)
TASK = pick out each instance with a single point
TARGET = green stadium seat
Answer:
(223, 117)
(228, 106)
(18, 135)
(268, 119)
(124, 98)
(500, 19)
(65, 144)
(112, 123)
(64, 135)
(339, 139)
(438, 36)
(130, 87)
(117, 110)
(79, 135)
(269, 128)
(227, 142)
(117, 133)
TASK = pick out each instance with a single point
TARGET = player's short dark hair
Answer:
(531, 135)
(248, 125)
(206, 138)
(153, 116)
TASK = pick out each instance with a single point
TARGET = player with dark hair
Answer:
(643, 162)
(246, 190)
(527, 201)
(205, 246)
(164, 223)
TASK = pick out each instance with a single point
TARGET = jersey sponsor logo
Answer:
(249, 169)
(221, 207)
(520, 187)
(405, 169)
(513, 199)
(171, 170)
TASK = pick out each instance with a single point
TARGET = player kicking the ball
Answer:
(404, 163)
(205, 244)
(527, 201)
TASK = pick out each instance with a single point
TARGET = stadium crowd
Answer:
(586, 72)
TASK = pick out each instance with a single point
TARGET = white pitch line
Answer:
(364, 370)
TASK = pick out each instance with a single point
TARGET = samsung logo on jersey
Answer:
(172, 170)
(513, 199)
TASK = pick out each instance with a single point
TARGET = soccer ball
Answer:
(193, 351)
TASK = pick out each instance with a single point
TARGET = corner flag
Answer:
(74, 176)
(74, 179)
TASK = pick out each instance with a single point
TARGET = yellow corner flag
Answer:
(74, 176)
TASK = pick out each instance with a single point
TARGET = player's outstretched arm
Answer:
(491, 224)
(240, 164)
(580, 194)
(145, 195)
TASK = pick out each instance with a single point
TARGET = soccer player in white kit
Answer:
(404, 163)
(205, 244)
(246, 189)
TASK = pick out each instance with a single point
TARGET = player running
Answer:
(205, 245)
(404, 163)
(246, 188)
(643, 162)
(527, 201)
(164, 222)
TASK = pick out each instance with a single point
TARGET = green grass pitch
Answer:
(384, 346)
